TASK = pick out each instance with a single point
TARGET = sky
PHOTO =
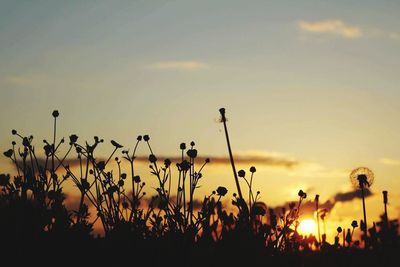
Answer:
(309, 82)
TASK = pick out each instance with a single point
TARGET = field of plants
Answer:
(169, 228)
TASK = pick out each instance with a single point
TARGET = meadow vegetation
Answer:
(169, 228)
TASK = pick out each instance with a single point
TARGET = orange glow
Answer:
(307, 227)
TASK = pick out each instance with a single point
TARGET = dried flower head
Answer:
(116, 144)
(136, 179)
(55, 113)
(73, 138)
(192, 153)
(8, 153)
(222, 191)
(152, 158)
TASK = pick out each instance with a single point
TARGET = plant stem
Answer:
(223, 118)
(365, 219)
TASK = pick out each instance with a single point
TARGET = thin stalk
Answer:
(317, 209)
(365, 218)
(223, 119)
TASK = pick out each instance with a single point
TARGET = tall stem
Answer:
(365, 218)
(385, 201)
(317, 209)
(52, 154)
(222, 111)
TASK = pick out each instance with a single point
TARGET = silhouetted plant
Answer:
(363, 178)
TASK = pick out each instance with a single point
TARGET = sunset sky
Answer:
(311, 88)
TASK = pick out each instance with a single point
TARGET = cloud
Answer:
(336, 27)
(308, 206)
(394, 35)
(189, 65)
(257, 159)
(26, 80)
(390, 162)
(349, 196)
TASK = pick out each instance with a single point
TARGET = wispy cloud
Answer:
(26, 80)
(390, 162)
(394, 35)
(247, 158)
(186, 65)
(349, 196)
(336, 27)
(308, 207)
(381, 33)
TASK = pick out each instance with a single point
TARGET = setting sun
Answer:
(307, 226)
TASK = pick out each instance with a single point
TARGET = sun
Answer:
(307, 227)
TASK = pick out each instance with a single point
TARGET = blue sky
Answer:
(312, 80)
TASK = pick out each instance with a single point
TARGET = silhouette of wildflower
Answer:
(73, 138)
(121, 183)
(47, 149)
(167, 163)
(182, 146)
(339, 229)
(8, 153)
(139, 138)
(152, 158)
(242, 173)
(25, 142)
(4, 179)
(184, 165)
(146, 137)
(302, 194)
(222, 112)
(253, 169)
(123, 176)
(385, 196)
(136, 179)
(348, 236)
(222, 191)
(14, 132)
(55, 113)
(116, 144)
(354, 224)
(101, 165)
(192, 153)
